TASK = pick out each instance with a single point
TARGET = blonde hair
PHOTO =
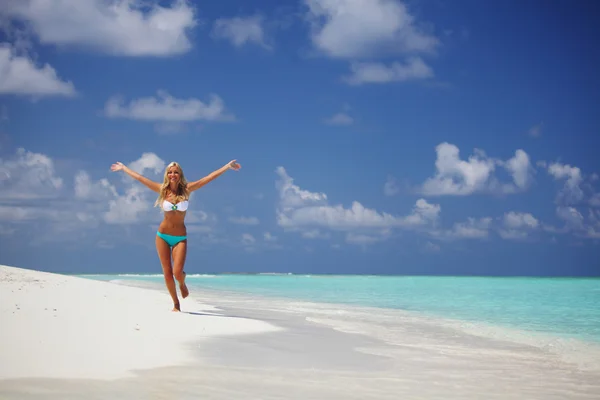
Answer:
(182, 190)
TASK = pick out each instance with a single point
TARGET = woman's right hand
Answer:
(117, 167)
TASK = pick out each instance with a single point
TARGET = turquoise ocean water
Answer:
(564, 307)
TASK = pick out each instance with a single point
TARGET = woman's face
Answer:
(173, 174)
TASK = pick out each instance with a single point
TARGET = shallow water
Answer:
(566, 308)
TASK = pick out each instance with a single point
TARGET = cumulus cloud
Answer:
(85, 188)
(148, 161)
(391, 188)
(373, 72)
(291, 196)
(21, 76)
(518, 225)
(472, 228)
(113, 27)
(458, 177)
(519, 167)
(268, 237)
(35, 199)
(571, 192)
(241, 30)
(129, 207)
(365, 28)
(581, 224)
(136, 204)
(576, 193)
(28, 175)
(571, 216)
(309, 212)
(165, 107)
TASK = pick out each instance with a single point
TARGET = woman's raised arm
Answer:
(155, 186)
(213, 175)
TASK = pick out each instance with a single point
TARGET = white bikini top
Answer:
(181, 206)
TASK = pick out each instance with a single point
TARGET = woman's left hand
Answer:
(234, 165)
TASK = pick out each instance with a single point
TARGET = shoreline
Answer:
(233, 346)
(473, 323)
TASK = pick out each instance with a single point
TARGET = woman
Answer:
(171, 237)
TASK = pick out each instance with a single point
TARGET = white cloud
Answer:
(128, 208)
(136, 204)
(340, 119)
(291, 196)
(455, 176)
(372, 72)
(115, 27)
(365, 28)
(148, 161)
(518, 225)
(520, 168)
(28, 175)
(244, 220)
(458, 177)
(19, 75)
(576, 223)
(14, 213)
(516, 220)
(304, 211)
(86, 189)
(391, 188)
(472, 229)
(248, 241)
(561, 171)
(571, 192)
(241, 30)
(165, 107)
(35, 201)
(269, 237)
(571, 216)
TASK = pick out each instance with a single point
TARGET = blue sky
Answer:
(417, 137)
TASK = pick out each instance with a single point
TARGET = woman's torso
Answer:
(173, 222)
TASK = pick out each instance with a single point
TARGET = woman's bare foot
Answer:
(184, 290)
(176, 307)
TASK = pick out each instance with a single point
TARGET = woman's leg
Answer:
(164, 254)
(179, 254)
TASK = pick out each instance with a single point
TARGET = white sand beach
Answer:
(70, 337)
(56, 326)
